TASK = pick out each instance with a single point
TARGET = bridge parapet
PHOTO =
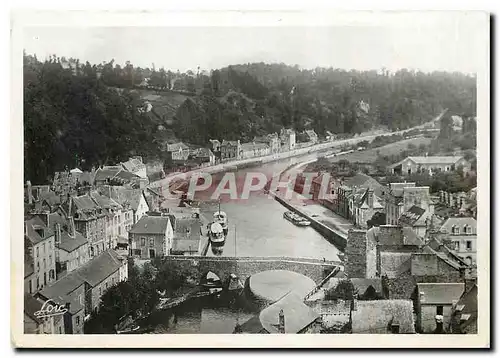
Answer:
(245, 267)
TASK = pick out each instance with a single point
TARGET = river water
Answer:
(256, 224)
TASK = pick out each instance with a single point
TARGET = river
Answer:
(256, 224)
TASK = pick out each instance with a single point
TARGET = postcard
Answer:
(250, 179)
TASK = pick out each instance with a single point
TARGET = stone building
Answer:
(462, 234)
(430, 165)
(434, 306)
(254, 149)
(230, 149)
(401, 197)
(151, 237)
(272, 140)
(40, 251)
(287, 138)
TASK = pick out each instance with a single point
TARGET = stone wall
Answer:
(244, 267)
(355, 262)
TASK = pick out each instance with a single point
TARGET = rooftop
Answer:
(151, 225)
(175, 147)
(99, 268)
(297, 314)
(377, 316)
(440, 293)
(411, 216)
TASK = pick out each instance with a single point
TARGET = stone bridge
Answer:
(244, 267)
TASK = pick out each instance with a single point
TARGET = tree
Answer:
(376, 220)
(344, 290)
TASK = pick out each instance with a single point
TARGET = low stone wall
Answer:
(244, 267)
(336, 237)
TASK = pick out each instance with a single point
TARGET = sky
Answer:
(452, 44)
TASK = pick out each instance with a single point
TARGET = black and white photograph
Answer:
(192, 176)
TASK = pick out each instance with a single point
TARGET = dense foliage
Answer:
(84, 114)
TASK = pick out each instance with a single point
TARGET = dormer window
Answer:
(465, 229)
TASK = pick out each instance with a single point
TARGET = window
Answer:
(38, 266)
(465, 229)
(60, 330)
(468, 245)
(469, 230)
(394, 328)
(43, 246)
(151, 242)
(106, 286)
(143, 241)
(100, 291)
(80, 299)
(457, 245)
(77, 320)
(44, 263)
(439, 310)
(50, 259)
(36, 252)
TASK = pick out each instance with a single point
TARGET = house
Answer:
(346, 191)
(311, 135)
(401, 197)
(116, 175)
(330, 136)
(434, 306)
(187, 237)
(116, 218)
(464, 313)
(382, 317)
(177, 152)
(230, 149)
(104, 271)
(254, 149)
(415, 218)
(272, 140)
(68, 291)
(214, 145)
(287, 138)
(135, 166)
(151, 237)
(367, 251)
(431, 165)
(72, 248)
(335, 315)
(203, 156)
(39, 245)
(364, 205)
(288, 315)
(462, 232)
(90, 220)
(34, 324)
(134, 199)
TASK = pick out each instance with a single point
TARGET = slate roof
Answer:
(127, 197)
(61, 290)
(32, 235)
(468, 308)
(298, 315)
(70, 244)
(430, 160)
(440, 293)
(377, 316)
(106, 173)
(253, 146)
(361, 180)
(397, 189)
(460, 222)
(99, 268)
(232, 143)
(187, 228)
(32, 305)
(202, 153)
(150, 225)
(411, 216)
(185, 245)
(311, 134)
(133, 165)
(174, 147)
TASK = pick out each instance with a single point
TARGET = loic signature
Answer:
(50, 308)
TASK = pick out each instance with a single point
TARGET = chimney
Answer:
(30, 192)
(58, 233)
(281, 327)
(71, 229)
(370, 198)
